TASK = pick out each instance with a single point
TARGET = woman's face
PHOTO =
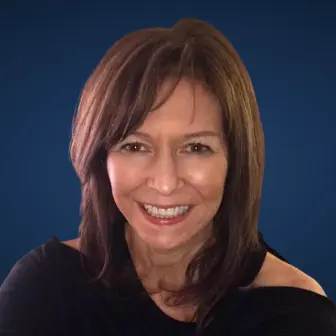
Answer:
(168, 177)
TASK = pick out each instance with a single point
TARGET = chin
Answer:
(163, 243)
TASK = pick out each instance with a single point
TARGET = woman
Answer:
(168, 146)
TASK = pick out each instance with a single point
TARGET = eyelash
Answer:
(129, 144)
(205, 148)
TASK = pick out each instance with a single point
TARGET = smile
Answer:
(166, 212)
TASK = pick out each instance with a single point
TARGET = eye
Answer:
(133, 147)
(198, 148)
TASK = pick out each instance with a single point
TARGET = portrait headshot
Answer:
(168, 146)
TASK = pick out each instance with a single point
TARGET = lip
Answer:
(164, 221)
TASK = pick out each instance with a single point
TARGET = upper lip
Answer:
(165, 206)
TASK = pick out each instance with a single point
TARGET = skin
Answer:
(164, 169)
(168, 169)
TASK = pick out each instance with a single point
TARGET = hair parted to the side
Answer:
(115, 101)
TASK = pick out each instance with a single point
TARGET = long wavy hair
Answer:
(116, 99)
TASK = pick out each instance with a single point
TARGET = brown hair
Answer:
(117, 98)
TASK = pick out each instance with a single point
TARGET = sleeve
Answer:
(23, 299)
(321, 323)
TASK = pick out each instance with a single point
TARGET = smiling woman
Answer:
(174, 175)
(169, 149)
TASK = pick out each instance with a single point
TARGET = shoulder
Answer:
(282, 300)
(38, 269)
(34, 286)
(73, 243)
(33, 265)
(43, 266)
(275, 311)
(277, 273)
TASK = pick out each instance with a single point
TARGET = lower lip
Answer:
(164, 221)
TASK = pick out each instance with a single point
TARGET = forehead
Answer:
(190, 107)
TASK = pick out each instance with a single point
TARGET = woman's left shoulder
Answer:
(282, 300)
(278, 273)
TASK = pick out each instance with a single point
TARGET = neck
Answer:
(162, 265)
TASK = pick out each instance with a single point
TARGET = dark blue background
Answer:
(49, 48)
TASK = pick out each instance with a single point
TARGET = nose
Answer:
(164, 176)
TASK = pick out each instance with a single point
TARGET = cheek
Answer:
(209, 179)
(123, 176)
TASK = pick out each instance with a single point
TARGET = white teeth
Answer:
(166, 213)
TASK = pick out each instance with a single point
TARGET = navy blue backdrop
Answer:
(49, 48)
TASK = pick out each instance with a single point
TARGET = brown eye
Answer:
(198, 148)
(133, 147)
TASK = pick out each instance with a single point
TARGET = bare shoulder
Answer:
(73, 243)
(276, 272)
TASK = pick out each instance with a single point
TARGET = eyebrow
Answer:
(185, 136)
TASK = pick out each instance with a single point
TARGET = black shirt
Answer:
(48, 293)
